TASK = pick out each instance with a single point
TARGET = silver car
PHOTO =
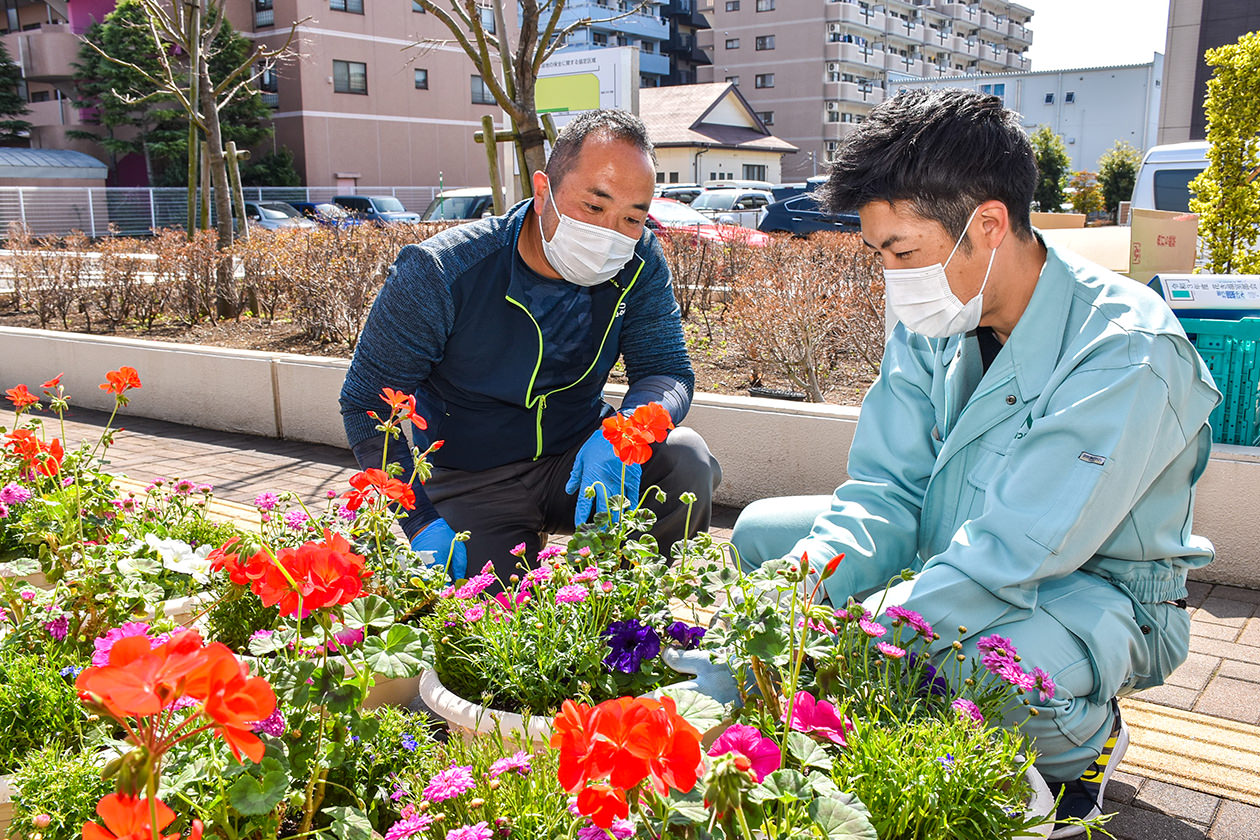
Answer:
(274, 215)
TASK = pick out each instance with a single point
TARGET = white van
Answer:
(1164, 175)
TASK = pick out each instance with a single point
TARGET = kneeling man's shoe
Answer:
(1083, 798)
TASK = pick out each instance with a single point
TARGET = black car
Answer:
(801, 215)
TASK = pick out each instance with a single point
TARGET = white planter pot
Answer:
(1040, 805)
(471, 720)
(6, 803)
(185, 611)
(391, 692)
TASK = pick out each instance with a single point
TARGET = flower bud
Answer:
(41, 821)
(474, 804)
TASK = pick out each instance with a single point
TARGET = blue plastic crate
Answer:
(1230, 349)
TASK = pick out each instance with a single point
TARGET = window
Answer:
(733, 80)
(416, 7)
(352, 6)
(268, 81)
(40, 96)
(487, 19)
(767, 117)
(481, 94)
(765, 42)
(1049, 98)
(765, 5)
(1069, 97)
(349, 77)
(264, 14)
(733, 44)
(599, 39)
(833, 116)
(673, 177)
(764, 80)
(660, 177)
(732, 5)
(422, 79)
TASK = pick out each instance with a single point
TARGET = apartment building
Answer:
(622, 23)
(813, 69)
(685, 22)
(1194, 27)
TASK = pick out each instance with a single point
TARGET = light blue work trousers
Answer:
(1070, 729)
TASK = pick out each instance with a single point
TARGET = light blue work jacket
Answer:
(1078, 449)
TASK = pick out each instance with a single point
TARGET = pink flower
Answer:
(518, 762)
(521, 597)
(345, 639)
(474, 613)
(606, 586)
(478, 831)
(996, 644)
(911, 618)
(762, 752)
(584, 551)
(818, 717)
(571, 594)
(966, 707)
(449, 783)
(518, 550)
(550, 553)
(589, 573)
(408, 826)
(104, 644)
(620, 829)
(540, 575)
(891, 651)
(1043, 683)
(475, 586)
(872, 628)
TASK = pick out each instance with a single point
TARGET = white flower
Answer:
(179, 556)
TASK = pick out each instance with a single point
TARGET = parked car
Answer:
(1163, 178)
(801, 215)
(380, 209)
(738, 184)
(328, 215)
(685, 193)
(274, 215)
(668, 217)
(464, 203)
(785, 191)
(732, 205)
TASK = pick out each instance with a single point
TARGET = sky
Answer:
(1095, 33)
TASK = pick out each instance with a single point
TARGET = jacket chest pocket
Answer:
(981, 471)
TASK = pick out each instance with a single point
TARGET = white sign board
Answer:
(1211, 291)
(567, 82)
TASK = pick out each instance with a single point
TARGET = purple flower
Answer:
(966, 707)
(449, 783)
(266, 501)
(4, 511)
(912, 618)
(518, 762)
(408, 742)
(346, 515)
(931, 682)
(296, 519)
(478, 831)
(620, 829)
(475, 586)
(14, 494)
(1043, 683)
(403, 829)
(273, 725)
(684, 635)
(631, 642)
(58, 628)
(104, 644)
(996, 644)
(572, 594)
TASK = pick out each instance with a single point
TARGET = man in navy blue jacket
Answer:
(506, 329)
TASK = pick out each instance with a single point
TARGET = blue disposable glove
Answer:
(597, 464)
(708, 677)
(438, 538)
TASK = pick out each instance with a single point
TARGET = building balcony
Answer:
(854, 54)
(641, 26)
(960, 11)
(1019, 33)
(901, 28)
(962, 47)
(1016, 61)
(685, 12)
(54, 112)
(852, 14)
(838, 130)
(46, 54)
(653, 64)
(988, 65)
(990, 26)
(853, 93)
(905, 64)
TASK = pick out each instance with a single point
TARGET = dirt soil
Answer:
(720, 366)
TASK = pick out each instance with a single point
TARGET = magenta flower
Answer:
(996, 644)
(4, 511)
(518, 550)
(540, 575)
(966, 707)
(1043, 683)
(517, 762)
(266, 501)
(817, 717)
(104, 644)
(408, 827)
(891, 651)
(273, 725)
(620, 829)
(475, 613)
(550, 553)
(584, 551)
(478, 831)
(762, 752)
(912, 618)
(14, 494)
(475, 586)
(184, 487)
(58, 628)
(872, 628)
(589, 573)
(345, 639)
(449, 783)
(573, 594)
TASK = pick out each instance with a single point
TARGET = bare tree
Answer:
(510, 71)
(183, 37)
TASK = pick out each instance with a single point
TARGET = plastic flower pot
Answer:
(472, 720)
(185, 611)
(1040, 804)
(6, 803)
(391, 692)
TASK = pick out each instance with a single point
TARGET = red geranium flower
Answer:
(603, 803)
(21, 397)
(128, 818)
(121, 380)
(54, 382)
(404, 405)
(632, 437)
(323, 574)
(378, 481)
(233, 699)
(221, 559)
(34, 454)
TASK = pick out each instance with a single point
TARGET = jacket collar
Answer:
(1036, 343)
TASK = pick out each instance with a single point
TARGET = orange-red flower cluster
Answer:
(318, 574)
(403, 406)
(632, 437)
(34, 454)
(121, 380)
(21, 397)
(611, 748)
(128, 818)
(377, 482)
(139, 682)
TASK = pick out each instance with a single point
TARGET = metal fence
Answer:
(134, 211)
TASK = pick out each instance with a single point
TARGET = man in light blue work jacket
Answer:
(1033, 440)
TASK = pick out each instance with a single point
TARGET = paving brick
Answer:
(1170, 695)
(1225, 650)
(1236, 821)
(1232, 699)
(1177, 801)
(1122, 788)
(1197, 592)
(1237, 593)
(1131, 823)
(1208, 630)
(1249, 671)
(1220, 610)
(1250, 634)
(1195, 671)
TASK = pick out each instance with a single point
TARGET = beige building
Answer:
(709, 132)
(813, 69)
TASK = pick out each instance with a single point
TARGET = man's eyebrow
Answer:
(598, 193)
(896, 237)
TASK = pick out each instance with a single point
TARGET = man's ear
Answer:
(541, 186)
(995, 222)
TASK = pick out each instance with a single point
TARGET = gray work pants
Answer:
(525, 501)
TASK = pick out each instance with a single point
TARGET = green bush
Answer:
(65, 785)
(38, 707)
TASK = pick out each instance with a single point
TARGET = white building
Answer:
(1090, 107)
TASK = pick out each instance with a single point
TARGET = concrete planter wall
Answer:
(766, 447)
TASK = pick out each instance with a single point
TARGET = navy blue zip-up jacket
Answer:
(507, 365)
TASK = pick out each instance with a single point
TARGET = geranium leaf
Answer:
(401, 652)
(688, 808)
(261, 644)
(20, 567)
(783, 785)
(807, 752)
(372, 611)
(841, 818)
(253, 796)
(349, 823)
(700, 710)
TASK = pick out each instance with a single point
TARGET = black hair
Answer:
(620, 125)
(943, 151)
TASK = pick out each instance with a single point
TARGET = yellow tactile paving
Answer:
(244, 515)
(1192, 750)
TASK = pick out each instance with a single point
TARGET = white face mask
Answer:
(584, 254)
(922, 299)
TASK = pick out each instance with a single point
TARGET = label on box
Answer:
(1211, 291)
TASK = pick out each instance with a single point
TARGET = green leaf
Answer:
(782, 785)
(260, 645)
(20, 567)
(372, 611)
(253, 796)
(401, 652)
(842, 818)
(349, 823)
(700, 710)
(688, 808)
(289, 681)
(807, 751)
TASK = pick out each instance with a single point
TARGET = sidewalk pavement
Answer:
(1192, 771)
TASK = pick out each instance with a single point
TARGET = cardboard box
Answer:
(1057, 221)
(1157, 241)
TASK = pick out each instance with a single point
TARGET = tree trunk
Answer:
(225, 298)
(530, 140)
